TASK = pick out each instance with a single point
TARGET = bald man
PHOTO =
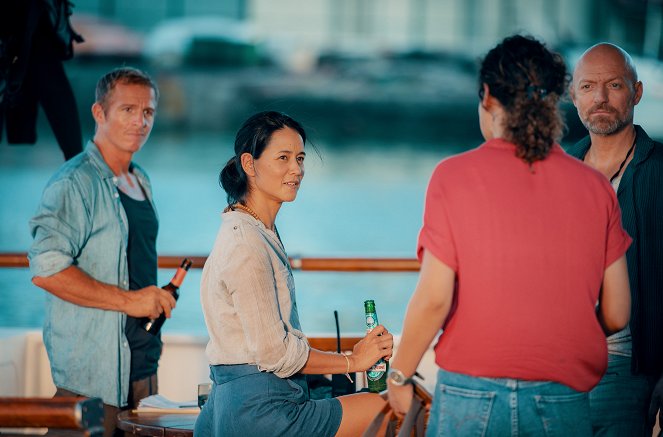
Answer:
(605, 91)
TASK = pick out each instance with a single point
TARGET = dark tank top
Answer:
(142, 260)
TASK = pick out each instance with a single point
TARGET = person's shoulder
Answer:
(79, 171)
(455, 163)
(576, 171)
(239, 242)
(454, 169)
(648, 151)
(240, 232)
(657, 150)
(73, 183)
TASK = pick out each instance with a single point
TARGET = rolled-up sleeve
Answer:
(58, 229)
(262, 305)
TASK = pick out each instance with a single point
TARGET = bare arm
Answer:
(614, 309)
(77, 287)
(426, 312)
(375, 345)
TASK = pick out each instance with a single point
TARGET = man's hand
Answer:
(149, 302)
(655, 403)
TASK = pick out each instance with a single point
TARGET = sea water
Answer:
(361, 199)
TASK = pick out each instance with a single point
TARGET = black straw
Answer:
(338, 333)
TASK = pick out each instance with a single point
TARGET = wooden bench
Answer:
(77, 415)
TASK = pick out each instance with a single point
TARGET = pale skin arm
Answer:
(426, 312)
(614, 309)
(77, 287)
(375, 345)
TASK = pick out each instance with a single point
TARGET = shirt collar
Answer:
(95, 155)
(643, 146)
(98, 160)
(501, 143)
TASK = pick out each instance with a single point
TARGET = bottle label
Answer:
(371, 321)
(377, 370)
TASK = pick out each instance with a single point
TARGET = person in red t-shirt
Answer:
(522, 261)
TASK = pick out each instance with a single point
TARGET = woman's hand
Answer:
(378, 343)
(400, 398)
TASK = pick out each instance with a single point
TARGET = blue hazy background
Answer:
(385, 88)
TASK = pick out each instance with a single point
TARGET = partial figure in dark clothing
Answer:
(35, 37)
(605, 91)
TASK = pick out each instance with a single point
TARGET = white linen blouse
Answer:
(248, 299)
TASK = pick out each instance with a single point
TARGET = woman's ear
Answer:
(490, 102)
(247, 164)
(485, 96)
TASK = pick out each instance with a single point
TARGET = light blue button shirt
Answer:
(80, 221)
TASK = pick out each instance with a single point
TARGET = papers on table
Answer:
(161, 404)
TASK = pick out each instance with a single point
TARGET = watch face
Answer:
(396, 377)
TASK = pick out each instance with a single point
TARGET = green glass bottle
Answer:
(377, 374)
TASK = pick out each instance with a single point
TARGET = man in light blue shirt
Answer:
(81, 244)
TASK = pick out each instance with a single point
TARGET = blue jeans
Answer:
(620, 402)
(465, 405)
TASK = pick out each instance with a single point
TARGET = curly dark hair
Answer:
(528, 80)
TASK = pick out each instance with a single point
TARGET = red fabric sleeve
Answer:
(436, 233)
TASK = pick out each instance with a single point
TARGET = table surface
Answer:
(157, 424)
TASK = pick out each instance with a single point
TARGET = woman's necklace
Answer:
(253, 214)
(246, 209)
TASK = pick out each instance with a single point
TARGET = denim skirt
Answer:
(465, 405)
(247, 402)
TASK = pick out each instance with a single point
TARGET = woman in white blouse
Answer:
(258, 354)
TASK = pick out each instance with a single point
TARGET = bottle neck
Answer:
(178, 278)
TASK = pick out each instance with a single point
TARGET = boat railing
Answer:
(20, 260)
(177, 374)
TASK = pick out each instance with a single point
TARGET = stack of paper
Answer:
(161, 404)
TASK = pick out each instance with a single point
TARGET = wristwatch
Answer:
(396, 377)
